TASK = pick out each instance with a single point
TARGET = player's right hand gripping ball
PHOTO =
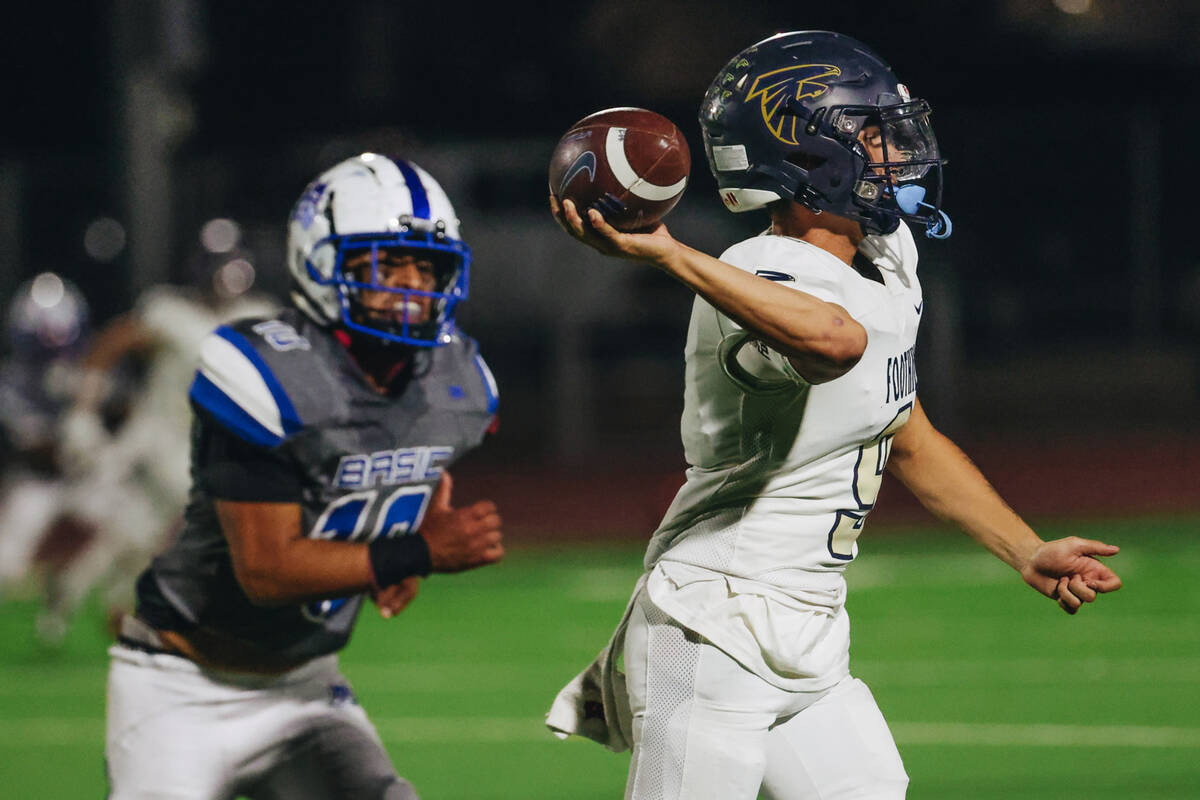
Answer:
(628, 163)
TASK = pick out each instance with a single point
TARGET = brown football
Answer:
(629, 163)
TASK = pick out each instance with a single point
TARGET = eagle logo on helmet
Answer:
(775, 88)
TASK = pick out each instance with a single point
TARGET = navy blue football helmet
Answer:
(783, 119)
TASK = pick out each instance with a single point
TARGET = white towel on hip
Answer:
(595, 704)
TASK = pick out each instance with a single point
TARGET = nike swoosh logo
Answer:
(920, 306)
(772, 275)
(584, 162)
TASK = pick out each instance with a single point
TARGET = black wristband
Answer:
(393, 560)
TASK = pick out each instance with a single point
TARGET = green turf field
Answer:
(991, 691)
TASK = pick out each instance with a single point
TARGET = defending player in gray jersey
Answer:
(320, 452)
(800, 389)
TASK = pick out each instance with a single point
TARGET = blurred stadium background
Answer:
(1061, 347)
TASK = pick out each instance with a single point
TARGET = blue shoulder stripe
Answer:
(206, 395)
(287, 412)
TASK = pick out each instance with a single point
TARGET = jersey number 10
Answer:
(345, 519)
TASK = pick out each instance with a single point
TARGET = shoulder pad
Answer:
(490, 390)
(791, 263)
(235, 385)
(460, 366)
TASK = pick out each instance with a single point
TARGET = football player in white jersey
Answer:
(800, 388)
(130, 487)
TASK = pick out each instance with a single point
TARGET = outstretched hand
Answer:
(653, 246)
(461, 538)
(1067, 570)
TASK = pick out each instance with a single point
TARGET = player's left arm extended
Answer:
(944, 479)
(123, 336)
(81, 430)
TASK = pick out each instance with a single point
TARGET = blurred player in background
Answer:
(47, 328)
(800, 381)
(129, 487)
(319, 459)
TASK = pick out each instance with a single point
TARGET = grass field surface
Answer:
(990, 690)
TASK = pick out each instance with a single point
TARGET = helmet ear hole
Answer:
(806, 161)
(445, 268)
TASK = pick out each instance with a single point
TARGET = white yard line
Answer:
(917, 569)
(1017, 735)
(925, 569)
(87, 682)
(89, 732)
(1040, 671)
(599, 585)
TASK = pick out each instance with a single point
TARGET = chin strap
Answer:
(910, 198)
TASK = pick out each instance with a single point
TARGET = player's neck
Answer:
(385, 368)
(833, 234)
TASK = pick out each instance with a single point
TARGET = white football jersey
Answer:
(783, 473)
(180, 321)
(156, 432)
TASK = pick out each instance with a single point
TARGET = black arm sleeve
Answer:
(228, 468)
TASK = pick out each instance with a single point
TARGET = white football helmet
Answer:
(363, 204)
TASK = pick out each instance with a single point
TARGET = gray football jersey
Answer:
(367, 464)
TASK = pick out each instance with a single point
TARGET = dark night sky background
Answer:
(1043, 115)
(269, 68)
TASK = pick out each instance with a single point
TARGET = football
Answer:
(630, 164)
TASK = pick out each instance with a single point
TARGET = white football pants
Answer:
(133, 497)
(178, 732)
(27, 507)
(705, 727)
